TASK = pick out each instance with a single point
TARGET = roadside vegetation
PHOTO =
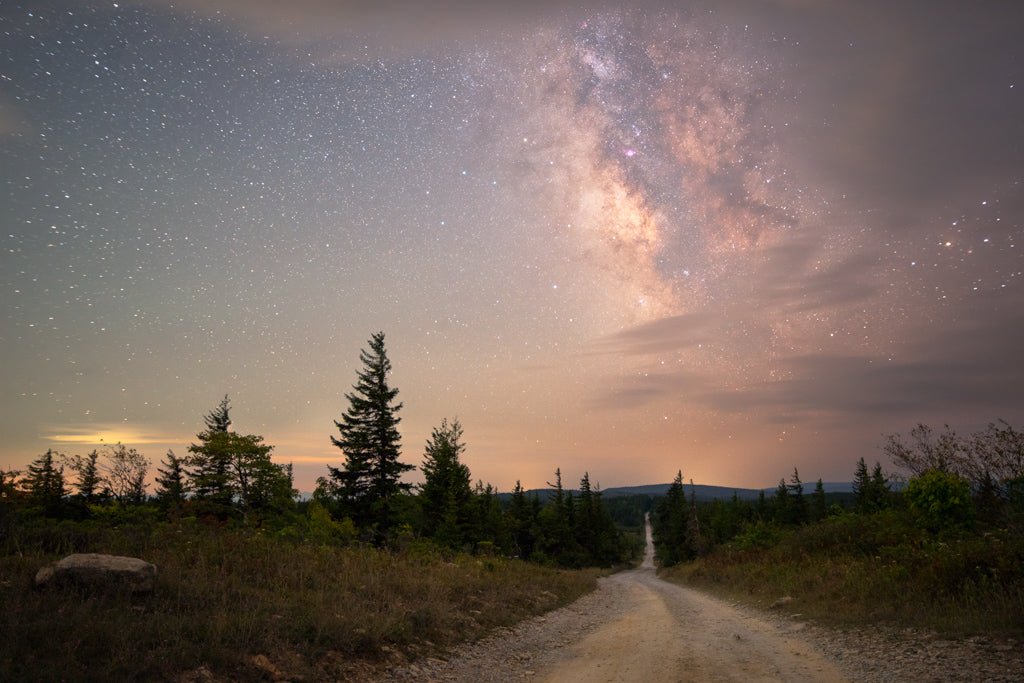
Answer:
(253, 580)
(943, 549)
(240, 602)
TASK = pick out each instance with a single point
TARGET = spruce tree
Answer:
(556, 524)
(45, 482)
(671, 522)
(488, 531)
(862, 487)
(819, 504)
(370, 477)
(798, 504)
(218, 420)
(879, 488)
(446, 493)
(783, 507)
(522, 521)
(90, 484)
(171, 484)
(210, 462)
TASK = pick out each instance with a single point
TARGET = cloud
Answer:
(106, 434)
(650, 388)
(659, 336)
(797, 277)
(947, 371)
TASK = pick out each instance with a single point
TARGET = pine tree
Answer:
(819, 504)
(671, 522)
(90, 484)
(210, 462)
(556, 525)
(783, 506)
(171, 482)
(862, 488)
(522, 517)
(45, 482)
(446, 493)
(218, 420)
(879, 488)
(761, 509)
(370, 478)
(233, 472)
(488, 531)
(696, 536)
(798, 504)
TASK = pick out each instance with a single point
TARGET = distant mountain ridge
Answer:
(704, 492)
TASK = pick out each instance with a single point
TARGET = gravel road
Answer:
(637, 627)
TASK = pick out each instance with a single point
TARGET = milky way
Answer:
(727, 239)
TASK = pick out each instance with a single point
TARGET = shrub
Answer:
(941, 501)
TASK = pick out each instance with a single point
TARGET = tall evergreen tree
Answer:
(522, 521)
(90, 484)
(879, 488)
(446, 494)
(698, 545)
(171, 482)
(218, 420)
(45, 482)
(210, 463)
(871, 491)
(671, 522)
(488, 529)
(556, 525)
(783, 507)
(232, 472)
(798, 504)
(862, 487)
(819, 504)
(370, 478)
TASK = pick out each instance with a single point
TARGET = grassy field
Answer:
(862, 569)
(245, 604)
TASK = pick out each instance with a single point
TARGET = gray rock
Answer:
(100, 572)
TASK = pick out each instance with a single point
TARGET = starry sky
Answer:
(729, 238)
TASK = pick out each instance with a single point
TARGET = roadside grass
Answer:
(225, 596)
(854, 570)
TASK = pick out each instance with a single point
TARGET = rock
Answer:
(263, 663)
(99, 572)
(200, 675)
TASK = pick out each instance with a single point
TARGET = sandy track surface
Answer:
(665, 632)
(636, 627)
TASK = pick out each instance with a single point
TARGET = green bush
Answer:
(941, 501)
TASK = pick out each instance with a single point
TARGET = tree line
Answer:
(228, 477)
(956, 484)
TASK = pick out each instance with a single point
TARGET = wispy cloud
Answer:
(105, 434)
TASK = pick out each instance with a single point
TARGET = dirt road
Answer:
(637, 627)
(664, 632)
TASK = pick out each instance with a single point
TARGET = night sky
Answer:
(727, 238)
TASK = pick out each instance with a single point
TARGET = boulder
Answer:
(100, 572)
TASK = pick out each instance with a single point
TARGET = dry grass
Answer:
(226, 596)
(858, 570)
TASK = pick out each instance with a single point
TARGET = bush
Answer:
(941, 501)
